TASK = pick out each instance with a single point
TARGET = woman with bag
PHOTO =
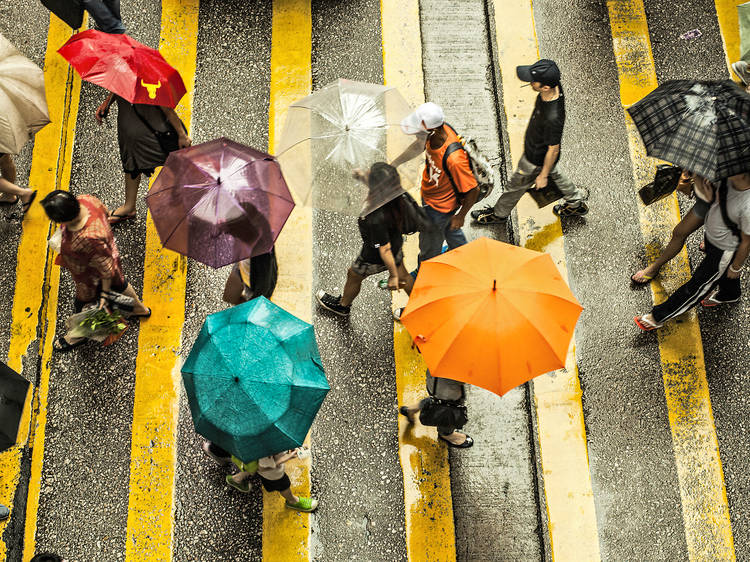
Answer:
(88, 250)
(146, 135)
(444, 407)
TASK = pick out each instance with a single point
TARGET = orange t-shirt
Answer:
(437, 190)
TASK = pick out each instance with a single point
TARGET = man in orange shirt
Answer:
(447, 195)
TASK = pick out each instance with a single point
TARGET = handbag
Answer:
(665, 182)
(442, 413)
(169, 140)
(548, 194)
(415, 218)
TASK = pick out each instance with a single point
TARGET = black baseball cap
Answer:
(544, 71)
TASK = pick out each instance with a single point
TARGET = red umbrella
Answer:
(124, 66)
(219, 202)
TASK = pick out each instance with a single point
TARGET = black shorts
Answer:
(275, 485)
(78, 305)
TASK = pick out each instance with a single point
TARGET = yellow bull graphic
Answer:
(151, 88)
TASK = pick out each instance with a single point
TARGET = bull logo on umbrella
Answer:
(151, 88)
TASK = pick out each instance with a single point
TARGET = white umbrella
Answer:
(341, 127)
(23, 103)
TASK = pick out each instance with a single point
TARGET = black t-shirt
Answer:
(545, 128)
(376, 231)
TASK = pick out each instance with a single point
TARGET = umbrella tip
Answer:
(218, 180)
(236, 379)
(494, 284)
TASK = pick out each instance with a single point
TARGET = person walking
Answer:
(252, 278)
(382, 233)
(88, 250)
(692, 221)
(541, 154)
(447, 193)
(11, 193)
(716, 280)
(270, 470)
(140, 150)
(106, 14)
(449, 391)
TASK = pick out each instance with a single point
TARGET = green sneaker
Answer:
(304, 504)
(243, 487)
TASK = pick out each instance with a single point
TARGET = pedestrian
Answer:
(691, 222)
(11, 193)
(382, 233)
(4, 512)
(252, 278)
(270, 470)
(541, 154)
(106, 14)
(88, 250)
(716, 280)
(447, 195)
(141, 151)
(450, 392)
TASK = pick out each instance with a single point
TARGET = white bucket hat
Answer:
(430, 113)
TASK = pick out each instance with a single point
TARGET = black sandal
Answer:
(9, 203)
(404, 411)
(26, 206)
(146, 315)
(468, 442)
(61, 345)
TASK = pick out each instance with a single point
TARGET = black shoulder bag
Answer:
(169, 141)
(442, 413)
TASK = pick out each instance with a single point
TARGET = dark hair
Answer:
(61, 206)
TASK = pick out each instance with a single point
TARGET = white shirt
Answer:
(738, 209)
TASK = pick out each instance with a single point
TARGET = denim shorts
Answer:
(365, 269)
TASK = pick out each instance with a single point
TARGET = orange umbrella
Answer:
(491, 314)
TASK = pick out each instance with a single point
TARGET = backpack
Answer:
(478, 162)
(415, 217)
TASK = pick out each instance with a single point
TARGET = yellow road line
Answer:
(557, 396)
(726, 12)
(704, 501)
(155, 408)
(428, 505)
(35, 294)
(286, 533)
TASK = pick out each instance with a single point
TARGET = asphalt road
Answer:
(498, 487)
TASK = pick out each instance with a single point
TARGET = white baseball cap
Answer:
(432, 115)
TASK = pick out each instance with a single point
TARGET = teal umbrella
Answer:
(254, 379)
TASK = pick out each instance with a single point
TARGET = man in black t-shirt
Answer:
(382, 240)
(541, 150)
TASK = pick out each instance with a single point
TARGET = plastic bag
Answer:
(97, 324)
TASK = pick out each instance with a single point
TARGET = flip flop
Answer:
(9, 203)
(645, 279)
(61, 345)
(645, 325)
(147, 315)
(465, 445)
(26, 206)
(116, 218)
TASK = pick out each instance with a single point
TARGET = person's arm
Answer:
(735, 268)
(387, 256)
(549, 162)
(412, 151)
(103, 109)
(289, 455)
(470, 197)
(183, 140)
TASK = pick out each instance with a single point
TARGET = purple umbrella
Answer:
(219, 202)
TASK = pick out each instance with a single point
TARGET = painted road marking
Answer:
(155, 409)
(729, 26)
(37, 280)
(705, 509)
(428, 505)
(286, 533)
(562, 434)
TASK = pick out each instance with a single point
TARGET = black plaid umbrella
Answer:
(13, 389)
(703, 127)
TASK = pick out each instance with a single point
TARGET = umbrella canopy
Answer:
(254, 379)
(703, 127)
(13, 390)
(70, 11)
(344, 126)
(23, 102)
(219, 202)
(124, 66)
(491, 314)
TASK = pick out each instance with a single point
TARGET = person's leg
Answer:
(11, 191)
(689, 224)
(139, 308)
(522, 179)
(431, 241)
(131, 196)
(8, 168)
(233, 288)
(106, 20)
(572, 194)
(728, 290)
(289, 496)
(454, 238)
(238, 481)
(352, 287)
